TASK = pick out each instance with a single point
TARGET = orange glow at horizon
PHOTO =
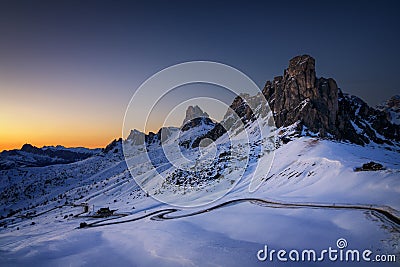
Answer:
(78, 112)
(75, 136)
(57, 117)
(76, 141)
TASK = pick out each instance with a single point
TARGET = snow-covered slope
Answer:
(217, 193)
(306, 170)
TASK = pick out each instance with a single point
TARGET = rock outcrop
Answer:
(195, 117)
(392, 109)
(301, 101)
(136, 137)
(193, 112)
(319, 106)
(299, 95)
(161, 136)
(114, 146)
(361, 124)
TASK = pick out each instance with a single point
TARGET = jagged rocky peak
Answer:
(394, 102)
(30, 148)
(115, 146)
(392, 108)
(193, 112)
(302, 68)
(299, 96)
(314, 105)
(161, 136)
(195, 116)
(319, 106)
(136, 137)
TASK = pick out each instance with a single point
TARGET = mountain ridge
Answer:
(300, 101)
(32, 156)
(53, 212)
(299, 96)
(314, 106)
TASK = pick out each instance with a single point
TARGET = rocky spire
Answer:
(299, 95)
(136, 137)
(315, 105)
(195, 117)
(320, 106)
(194, 112)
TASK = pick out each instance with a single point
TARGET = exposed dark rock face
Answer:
(361, 124)
(370, 166)
(114, 146)
(163, 134)
(394, 103)
(195, 117)
(239, 114)
(213, 134)
(241, 108)
(318, 104)
(392, 109)
(299, 96)
(136, 137)
(197, 122)
(242, 111)
(194, 112)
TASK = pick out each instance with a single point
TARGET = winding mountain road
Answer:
(168, 214)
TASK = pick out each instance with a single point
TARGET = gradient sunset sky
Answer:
(69, 68)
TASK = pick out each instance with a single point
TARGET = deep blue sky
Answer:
(88, 57)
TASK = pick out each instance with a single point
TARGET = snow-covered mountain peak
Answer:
(392, 108)
(299, 97)
(193, 112)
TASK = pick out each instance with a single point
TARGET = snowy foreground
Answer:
(306, 171)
